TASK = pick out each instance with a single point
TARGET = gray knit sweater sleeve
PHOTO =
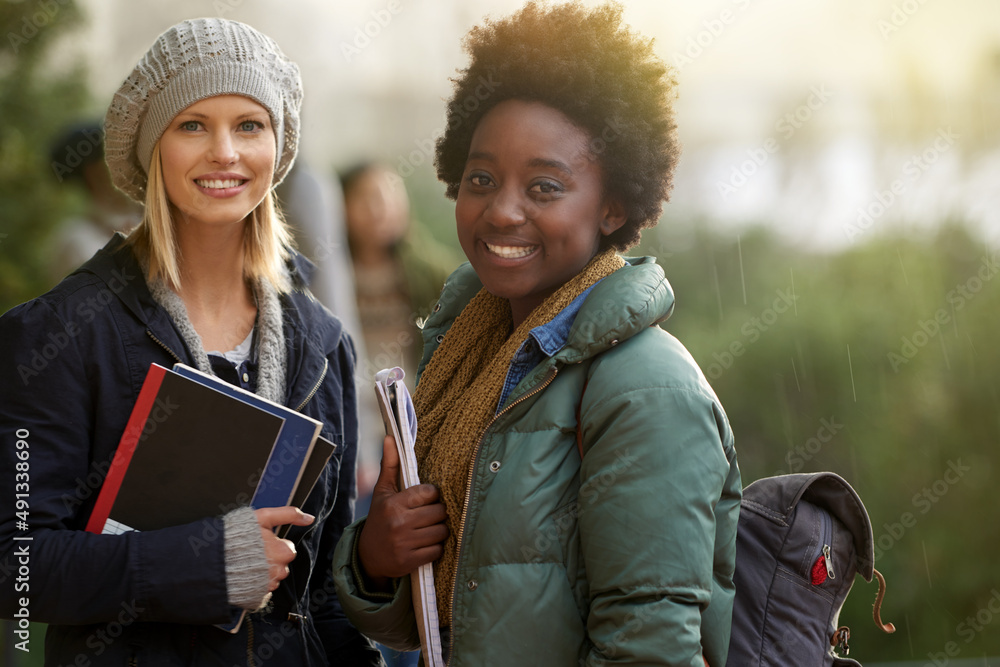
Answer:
(247, 571)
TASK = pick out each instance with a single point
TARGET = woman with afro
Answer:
(581, 491)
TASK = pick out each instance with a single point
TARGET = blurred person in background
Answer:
(313, 206)
(398, 273)
(77, 158)
(201, 131)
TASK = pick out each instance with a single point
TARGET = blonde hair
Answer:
(267, 242)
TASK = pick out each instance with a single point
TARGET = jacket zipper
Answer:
(250, 661)
(549, 377)
(826, 533)
(164, 346)
(312, 392)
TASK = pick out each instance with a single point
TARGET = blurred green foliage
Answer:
(36, 103)
(916, 434)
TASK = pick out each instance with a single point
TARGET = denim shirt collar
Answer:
(543, 341)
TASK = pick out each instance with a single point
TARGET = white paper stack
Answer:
(401, 423)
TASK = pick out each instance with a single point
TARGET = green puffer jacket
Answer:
(626, 557)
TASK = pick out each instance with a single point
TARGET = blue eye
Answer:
(190, 126)
(250, 126)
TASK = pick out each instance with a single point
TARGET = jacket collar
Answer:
(308, 341)
(120, 272)
(301, 270)
(311, 339)
(621, 305)
(117, 267)
(628, 301)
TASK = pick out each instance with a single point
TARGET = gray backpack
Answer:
(801, 539)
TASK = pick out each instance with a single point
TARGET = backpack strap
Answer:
(887, 628)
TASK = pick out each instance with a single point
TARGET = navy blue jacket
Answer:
(72, 362)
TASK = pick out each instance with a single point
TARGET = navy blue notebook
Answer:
(289, 458)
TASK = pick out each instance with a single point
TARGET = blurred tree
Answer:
(878, 363)
(35, 104)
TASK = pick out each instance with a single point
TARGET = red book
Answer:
(188, 452)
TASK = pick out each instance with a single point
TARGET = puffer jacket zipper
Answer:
(469, 484)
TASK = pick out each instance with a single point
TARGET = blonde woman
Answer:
(200, 132)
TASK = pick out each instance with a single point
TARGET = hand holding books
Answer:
(405, 529)
(279, 552)
(196, 446)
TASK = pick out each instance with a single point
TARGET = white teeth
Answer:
(511, 252)
(218, 184)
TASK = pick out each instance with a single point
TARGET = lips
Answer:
(222, 184)
(510, 251)
(219, 183)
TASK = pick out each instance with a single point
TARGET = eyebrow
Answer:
(481, 155)
(554, 164)
(533, 162)
(254, 115)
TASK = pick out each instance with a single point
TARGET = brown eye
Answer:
(546, 188)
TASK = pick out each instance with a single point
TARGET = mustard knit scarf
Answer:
(458, 395)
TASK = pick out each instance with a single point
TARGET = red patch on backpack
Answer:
(819, 571)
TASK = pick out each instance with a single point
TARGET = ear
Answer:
(614, 216)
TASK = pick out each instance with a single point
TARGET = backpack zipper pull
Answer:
(829, 565)
(839, 640)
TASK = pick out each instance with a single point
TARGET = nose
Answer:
(222, 149)
(506, 208)
(376, 206)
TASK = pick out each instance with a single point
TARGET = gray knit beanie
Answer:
(189, 62)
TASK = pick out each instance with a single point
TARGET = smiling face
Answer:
(531, 209)
(218, 159)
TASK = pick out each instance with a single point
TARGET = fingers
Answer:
(279, 553)
(420, 547)
(269, 517)
(428, 554)
(276, 573)
(388, 476)
(431, 536)
(419, 495)
(397, 539)
(420, 516)
(404, 529)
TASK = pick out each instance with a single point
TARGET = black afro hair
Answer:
(594, 69)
